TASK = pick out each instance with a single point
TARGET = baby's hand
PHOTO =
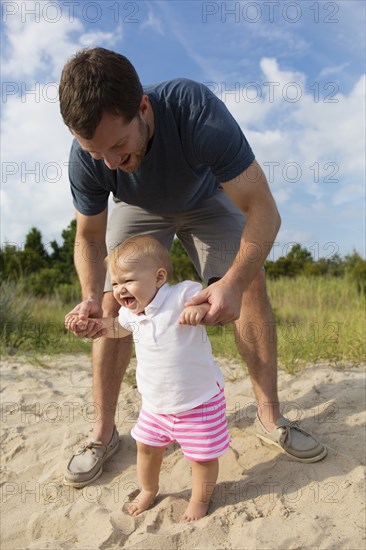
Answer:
(82, 327)
(193, 315)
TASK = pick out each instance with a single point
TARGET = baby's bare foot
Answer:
(142, 502)
(195, 510)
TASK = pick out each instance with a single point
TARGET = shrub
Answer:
(15, 316)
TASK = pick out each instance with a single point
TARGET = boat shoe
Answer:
(292, 440)
(86, 465)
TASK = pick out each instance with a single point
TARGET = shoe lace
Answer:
(286, 431)
(90, 445)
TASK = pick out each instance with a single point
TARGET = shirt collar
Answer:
(158, 300)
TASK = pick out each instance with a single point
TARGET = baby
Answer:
(180, 384)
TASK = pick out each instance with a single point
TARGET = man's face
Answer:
(120, 145)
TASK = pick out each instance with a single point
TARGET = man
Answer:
(176, 163)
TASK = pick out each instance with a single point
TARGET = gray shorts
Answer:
(210, 233)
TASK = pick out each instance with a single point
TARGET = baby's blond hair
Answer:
(138, 248)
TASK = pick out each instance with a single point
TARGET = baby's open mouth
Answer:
(129, 301)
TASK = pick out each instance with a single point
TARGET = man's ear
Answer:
(161, 276)
(144, 105)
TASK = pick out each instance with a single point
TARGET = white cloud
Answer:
(281, 131)
(35, 142)
(335, 69)
(35, 188)
(335, 133)
(154, 23)
(281, 196)
(273, 73)
(94, 39)
(33, 47)
(326, 140)
(320, 138)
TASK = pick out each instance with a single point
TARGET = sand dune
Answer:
(263, 499)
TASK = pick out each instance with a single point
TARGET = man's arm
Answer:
(89, 254)
(249, 192)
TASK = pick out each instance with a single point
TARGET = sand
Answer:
(263, 499)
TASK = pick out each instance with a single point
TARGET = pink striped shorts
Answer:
(201, 432)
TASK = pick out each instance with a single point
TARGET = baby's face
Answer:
(135, 283)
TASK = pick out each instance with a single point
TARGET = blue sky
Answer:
(292, 73)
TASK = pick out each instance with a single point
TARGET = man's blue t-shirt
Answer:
(197, 144)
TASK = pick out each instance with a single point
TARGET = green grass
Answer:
(317, 319)
(34, 325)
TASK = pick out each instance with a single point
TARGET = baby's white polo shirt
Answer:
(175, 368)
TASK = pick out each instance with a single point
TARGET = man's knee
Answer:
(257, 288)
(110, 305)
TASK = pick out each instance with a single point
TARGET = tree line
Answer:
(45, 270)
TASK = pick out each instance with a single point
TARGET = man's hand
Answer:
(193, 315)
(78, 320)
(224, 303)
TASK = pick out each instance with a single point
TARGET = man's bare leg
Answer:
(110, 361)
(257, 343)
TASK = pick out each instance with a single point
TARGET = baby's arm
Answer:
(109, 326)
(193, 315)
(112, 328)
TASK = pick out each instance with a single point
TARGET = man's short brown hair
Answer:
(96, 81)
